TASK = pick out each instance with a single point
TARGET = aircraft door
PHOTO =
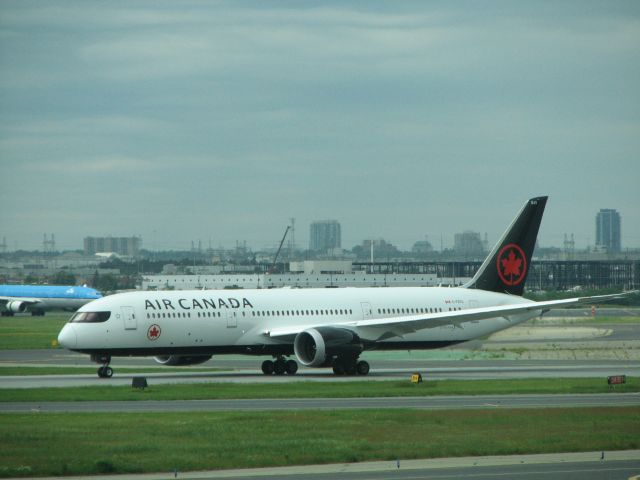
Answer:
(129, 316)
(366, 310)
(232, 319)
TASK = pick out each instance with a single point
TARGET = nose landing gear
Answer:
(105, 371)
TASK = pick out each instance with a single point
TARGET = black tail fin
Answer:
(505, 269)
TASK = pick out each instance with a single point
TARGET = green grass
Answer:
(27, 332)
(317, 389)
(82, 444)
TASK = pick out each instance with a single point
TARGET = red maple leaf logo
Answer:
(154, 332)
(512, 266)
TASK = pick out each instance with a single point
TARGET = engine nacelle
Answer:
(16, 306)
(315, 347)
(180, 360)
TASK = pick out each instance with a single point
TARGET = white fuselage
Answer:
(224, 321)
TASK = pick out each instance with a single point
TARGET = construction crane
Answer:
(275, 259)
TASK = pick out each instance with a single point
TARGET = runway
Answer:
(550, 466)
(445, 370)
(458, 402)
(593, 470)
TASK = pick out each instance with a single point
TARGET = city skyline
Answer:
(331, 229)
(220, 121)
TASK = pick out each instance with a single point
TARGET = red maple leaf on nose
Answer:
(511, 265)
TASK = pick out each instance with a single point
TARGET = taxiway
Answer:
(457, 402)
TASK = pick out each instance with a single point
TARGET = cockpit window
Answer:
(90, 317)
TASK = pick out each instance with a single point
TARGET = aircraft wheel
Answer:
(279, 366)
(338, 369)
(362, 367)
(350, 368)
(267, 367)
(105, 372)
(291, 366)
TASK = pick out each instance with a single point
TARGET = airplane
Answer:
(319, 327)
(39, 298)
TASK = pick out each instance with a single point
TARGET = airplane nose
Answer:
(67, 337)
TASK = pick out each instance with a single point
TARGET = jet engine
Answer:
(16, 306)
(180, 360)
(316, 347)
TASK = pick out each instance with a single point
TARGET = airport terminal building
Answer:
(544, 275)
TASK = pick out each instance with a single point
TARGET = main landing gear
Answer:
(105, 371)
(280, 366)
(341, 366)
(350, 366)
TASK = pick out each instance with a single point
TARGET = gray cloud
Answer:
(222, 120)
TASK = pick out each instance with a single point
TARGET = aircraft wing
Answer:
(398, 326)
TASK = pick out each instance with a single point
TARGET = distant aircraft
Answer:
(39, 298)
(321, 327)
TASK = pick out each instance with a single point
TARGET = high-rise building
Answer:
(324, 235)
(121, 245)
(608, 230)
(468, 243)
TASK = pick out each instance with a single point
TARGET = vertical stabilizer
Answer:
(505, 269)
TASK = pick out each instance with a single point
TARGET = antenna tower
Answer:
(49, 246)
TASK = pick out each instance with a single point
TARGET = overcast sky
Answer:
(219, 121)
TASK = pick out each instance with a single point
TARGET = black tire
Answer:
(279, 367)
(267, 367)
(338, 368)
(291, 367)
(362, 368)
(108, 372)
(101, 372)
(350, 368)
